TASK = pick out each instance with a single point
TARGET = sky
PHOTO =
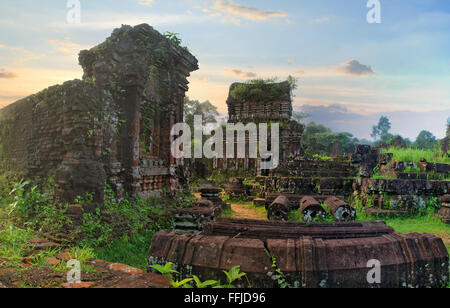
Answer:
(350, 71)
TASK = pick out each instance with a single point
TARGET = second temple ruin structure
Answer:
(262, 102)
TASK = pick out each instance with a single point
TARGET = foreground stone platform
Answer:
(311, 255)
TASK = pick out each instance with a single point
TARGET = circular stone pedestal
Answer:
(312, 255)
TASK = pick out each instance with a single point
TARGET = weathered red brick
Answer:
(77, 285)
(52, 261)
(125, 269)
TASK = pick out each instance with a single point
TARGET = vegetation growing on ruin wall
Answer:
(261, 90)
(415, 155)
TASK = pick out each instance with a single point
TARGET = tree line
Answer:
(318, 139)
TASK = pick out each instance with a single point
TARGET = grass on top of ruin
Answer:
(415, 155)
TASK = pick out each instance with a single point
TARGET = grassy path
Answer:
(248, 211)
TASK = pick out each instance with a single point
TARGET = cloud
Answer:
(200, 79)
(19, 56)
(299, 72)
(66, 46)
(4, 74)
(33, 80)
(239, 73)
(350, 68)
(211, 13)
(322, 20)
(245, 12)
(146, 2)
(354, 68)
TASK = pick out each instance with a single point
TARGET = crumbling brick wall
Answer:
(47, 134)
(113, 127)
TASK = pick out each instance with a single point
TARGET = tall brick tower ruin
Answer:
(113, 127)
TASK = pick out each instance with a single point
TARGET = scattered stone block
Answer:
(294, 200)
(213, 194)
(77, 285)
(192, 220)
(52, 261)
(444, 212)
(204, 203)
(124, 269)
(147, 280)
(311, 209)
(279, 209)
(28, 260)
(64, 256)
(340, 209)
(42, 244)
(236, 188)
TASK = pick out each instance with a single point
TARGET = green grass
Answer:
(425, 223)
(227, 213)
(14, 247)
(132, 251)
(414, 155)
(421, 224)
(258, 209)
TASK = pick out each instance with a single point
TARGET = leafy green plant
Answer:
(168, 270)
(277, 274)
(205, 284)
(182, 284)
(26, 200)
(322, 157)
(174, 38)
(232, 275)
(13, 243)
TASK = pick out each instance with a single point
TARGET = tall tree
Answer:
(317, 139)
(381, 129)
(425, 140)
(194, 107)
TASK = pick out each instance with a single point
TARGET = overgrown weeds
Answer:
(415, 155)
(168, 270)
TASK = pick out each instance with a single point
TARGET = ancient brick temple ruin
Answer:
(262, 103)
(112, 127)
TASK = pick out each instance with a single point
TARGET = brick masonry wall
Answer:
(113, 127)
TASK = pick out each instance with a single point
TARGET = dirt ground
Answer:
(103, 275)
(240, 211)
